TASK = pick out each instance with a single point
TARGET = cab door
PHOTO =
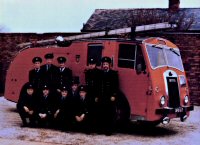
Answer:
(133, 84)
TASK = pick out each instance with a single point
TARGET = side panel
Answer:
(19, 69)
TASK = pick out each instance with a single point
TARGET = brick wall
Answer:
(189, 44)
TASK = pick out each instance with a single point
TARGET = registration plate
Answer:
(178, 110)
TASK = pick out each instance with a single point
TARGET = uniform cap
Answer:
(106, 59)
(64, 88)
(82, 88)
(49, 56)
(75, 80)
(45, 87)
(61, 59)
(92, 61)
(29, 86)
(37, 59)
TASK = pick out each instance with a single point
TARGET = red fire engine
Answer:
(151, 73)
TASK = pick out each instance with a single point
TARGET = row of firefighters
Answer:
(53, 97)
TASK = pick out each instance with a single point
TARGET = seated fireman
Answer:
(64, 74)
(26, 105)
(63, 115)
(82, 108)
(74, 87)
(45, 107)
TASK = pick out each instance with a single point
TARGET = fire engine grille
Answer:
(173, 92)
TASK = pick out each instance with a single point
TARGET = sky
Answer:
(41, 16)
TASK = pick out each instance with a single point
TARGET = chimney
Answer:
(174, 5)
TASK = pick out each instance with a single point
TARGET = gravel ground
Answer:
(176, 133)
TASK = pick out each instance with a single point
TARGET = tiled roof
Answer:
(101, 19)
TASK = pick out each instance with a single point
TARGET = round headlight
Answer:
(186, 99)
(162, 101)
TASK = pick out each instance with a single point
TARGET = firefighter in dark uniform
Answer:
(82, 108)
(26, 105)
(64, 74)
(74, 87)
(93, 83)
(109, 90)
(36, 75)
(63, 114)
(49, 71)
(45, 107)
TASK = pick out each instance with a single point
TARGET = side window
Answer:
(126, 57)
(140, 63)
(95, 51)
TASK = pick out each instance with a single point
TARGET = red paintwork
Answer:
(134, 86)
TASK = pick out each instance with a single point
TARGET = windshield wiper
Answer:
(172, 49)
(157, 46)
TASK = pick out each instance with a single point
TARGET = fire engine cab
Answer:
(151, 74)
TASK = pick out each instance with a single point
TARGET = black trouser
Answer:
(25, 115)
(44, 122)
(107, 116)
(63, 122)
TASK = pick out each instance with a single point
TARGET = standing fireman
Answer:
(36, 75)
(26, 105)
(109, 90)
(49, 71)
(93, 79)
(93, 82)
(64, 74)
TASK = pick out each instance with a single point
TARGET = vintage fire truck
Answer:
(151, 74)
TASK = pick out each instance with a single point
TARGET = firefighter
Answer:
(49, 71)
(36, 75)
(93, 82)
(109, 90)
(82, 108)
(45, 107)
(93, 78)
(26, 105)
(74, 87)
(64, 74)
(63, 114)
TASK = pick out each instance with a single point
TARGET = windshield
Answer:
(164, 56)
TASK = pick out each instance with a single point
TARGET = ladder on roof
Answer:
(157, 26)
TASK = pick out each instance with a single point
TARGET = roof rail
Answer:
(157, 26)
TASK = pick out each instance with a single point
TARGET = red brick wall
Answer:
(189, 45)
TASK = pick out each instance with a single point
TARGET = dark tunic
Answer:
(28, 101)
(65, 105)
(49, 74)
(64, 77)
(83, 107)
(109, 88)
(93, 81)
(110, 84)
(36, 77)
(45, 105)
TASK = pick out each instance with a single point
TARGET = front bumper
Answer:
(180, 110)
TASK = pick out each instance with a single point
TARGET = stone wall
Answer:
(189, 44)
